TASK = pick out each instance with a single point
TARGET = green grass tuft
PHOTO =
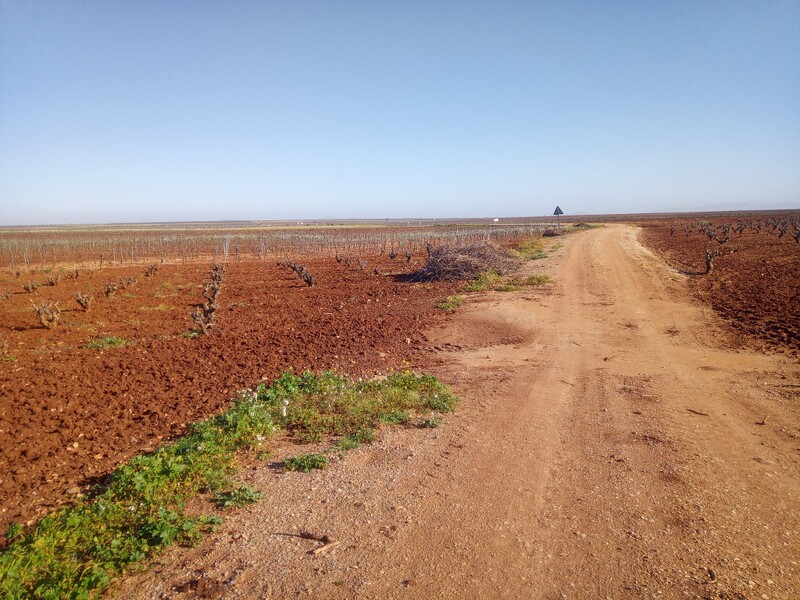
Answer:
(531, 249)
(450, 303)
(483, 281)
(108, 342)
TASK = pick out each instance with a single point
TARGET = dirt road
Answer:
(608, 445)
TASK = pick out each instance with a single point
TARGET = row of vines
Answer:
(38, 250)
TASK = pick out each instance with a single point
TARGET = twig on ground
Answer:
(697, 412)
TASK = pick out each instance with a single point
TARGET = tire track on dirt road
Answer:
(573, 469)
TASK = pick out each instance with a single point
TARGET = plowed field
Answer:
(754, 284)
(70, 413)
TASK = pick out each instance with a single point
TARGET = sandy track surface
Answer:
(610, 444)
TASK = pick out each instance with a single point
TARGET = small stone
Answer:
(73, 491)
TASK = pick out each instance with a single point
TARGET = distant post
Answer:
(558, 212)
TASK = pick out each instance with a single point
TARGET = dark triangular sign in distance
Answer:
(558, 211)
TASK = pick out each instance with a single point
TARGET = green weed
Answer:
(108, 342)
(431, 422)
(450, 303)
(346, 443)
(516, 283)
(306, 462)
(312, 407)
(237, 498)
(531, 249)
(76, 551)
(398, 416)
(8, 358)
(483, 281)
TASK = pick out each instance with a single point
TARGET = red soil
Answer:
(69, 414)
(754, 284)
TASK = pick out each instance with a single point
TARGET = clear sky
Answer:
(160, 110)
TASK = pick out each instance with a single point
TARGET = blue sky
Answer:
(152, 110)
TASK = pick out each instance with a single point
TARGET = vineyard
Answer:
(101, 364)
(28, 249)
(747, 269)
(111, 342)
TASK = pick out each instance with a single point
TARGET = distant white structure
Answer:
(496, 220)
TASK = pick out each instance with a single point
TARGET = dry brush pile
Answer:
(449, 263)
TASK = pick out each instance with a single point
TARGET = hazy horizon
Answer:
(711, 209)
(159, 112)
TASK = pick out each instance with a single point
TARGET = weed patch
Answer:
(237, 498)
(431, 422)
(108, 342)
(76, 551)
(346, 443)
(530, 249)
(483, 281)
(450, 303)
(306, 462)
(312, 407)
(517, 283)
